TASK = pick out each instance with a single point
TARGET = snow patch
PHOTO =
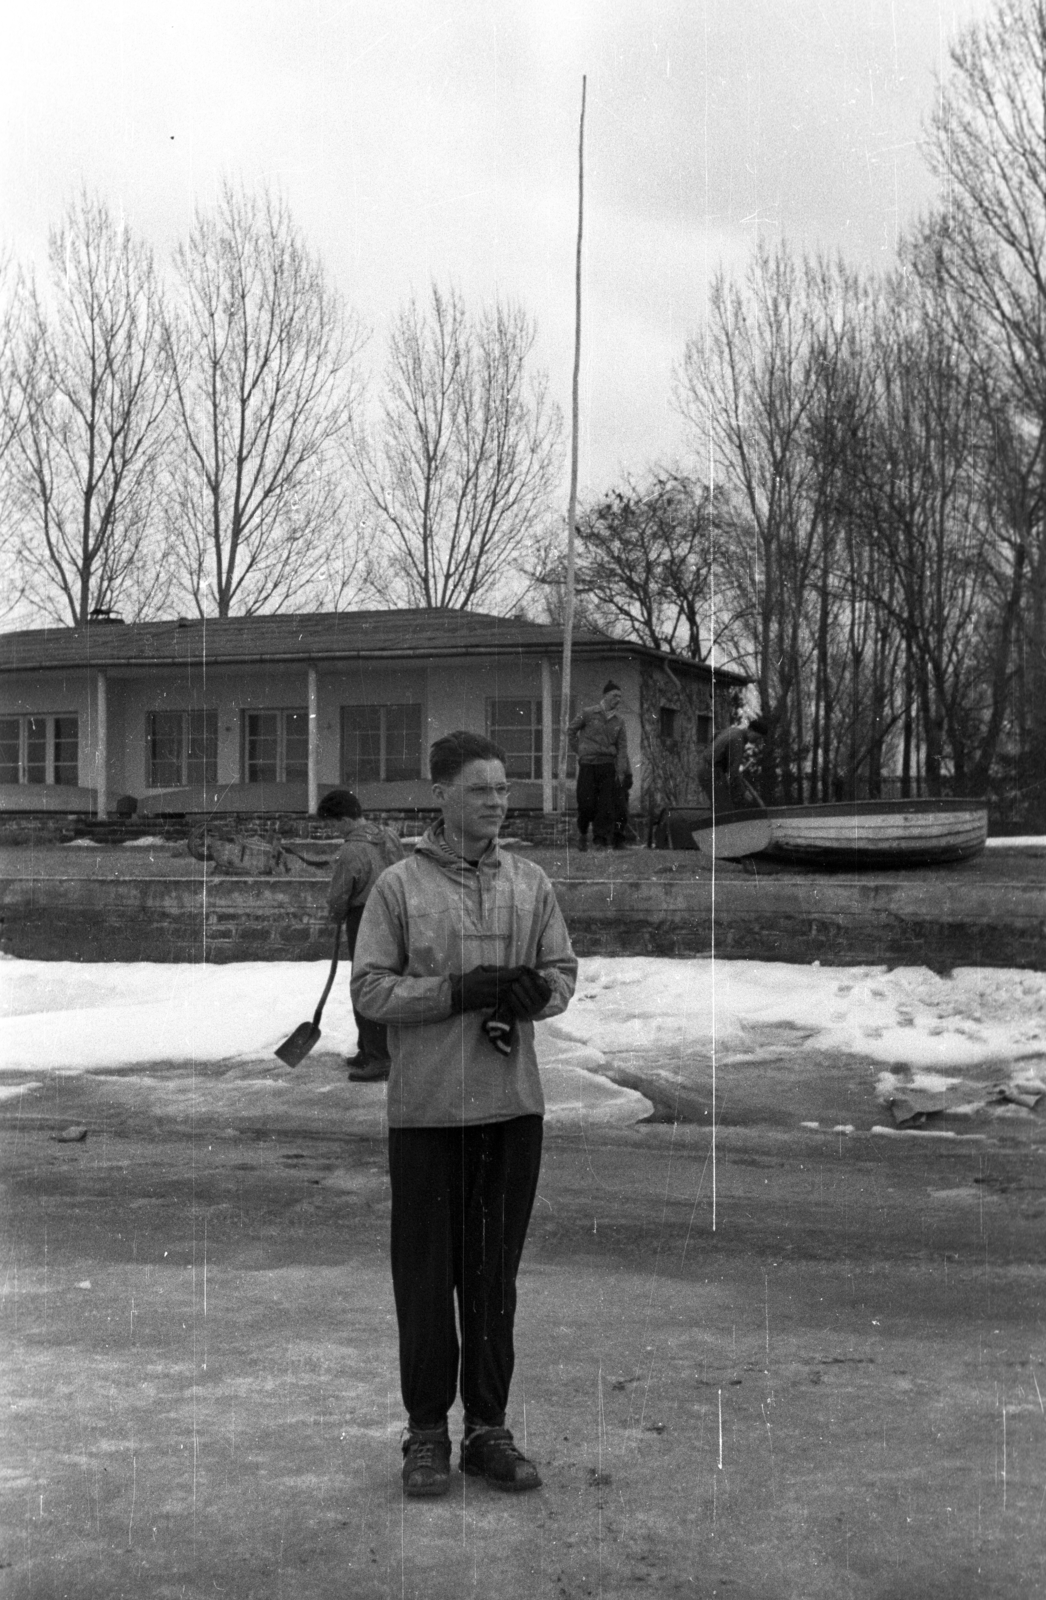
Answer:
(72, 1017)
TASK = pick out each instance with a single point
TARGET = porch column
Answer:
(549, 735)
(101, 747)
(314, 744)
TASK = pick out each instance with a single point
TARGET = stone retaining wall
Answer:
(43, 828)
(960, 923)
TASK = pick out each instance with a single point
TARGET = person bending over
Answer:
(720, 768)
(461, 947)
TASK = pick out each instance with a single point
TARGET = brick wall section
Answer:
(26, 828)
(164, 919)
(807, 919)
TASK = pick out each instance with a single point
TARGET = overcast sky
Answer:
(421, 138)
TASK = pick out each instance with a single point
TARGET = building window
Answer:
(182, 748)
(380, 744)
(704, 731)
(276, 746)
(40, 749)
(11, 750)
(516, 725)
(669, 727)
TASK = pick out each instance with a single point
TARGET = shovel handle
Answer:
(330, 978)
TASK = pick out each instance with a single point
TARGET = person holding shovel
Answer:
(720, 768)
(460, 948)
(368, 850)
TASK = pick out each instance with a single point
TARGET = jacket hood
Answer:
(365, 832)
(433, 844)
(378, 837)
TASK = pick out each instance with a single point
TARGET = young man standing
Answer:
(597, 735)
(461, 947)
(368, 850)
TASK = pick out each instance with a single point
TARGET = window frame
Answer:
(536, 727)
(51, 765)
(186, 757)
(352, 779)
(668, 725)
(281, 713)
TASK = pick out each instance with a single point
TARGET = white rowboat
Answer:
(849, 833)
(871, 833)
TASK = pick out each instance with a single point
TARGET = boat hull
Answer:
(733, 836)
(855, 833)
(878, 833)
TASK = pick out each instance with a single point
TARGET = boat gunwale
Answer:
(869, 808)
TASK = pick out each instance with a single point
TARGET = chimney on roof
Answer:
(103, 614)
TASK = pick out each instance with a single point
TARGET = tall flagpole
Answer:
(568, 600)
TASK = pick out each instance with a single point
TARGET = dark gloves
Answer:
(509, 993)
(529, 993)
(481, 989)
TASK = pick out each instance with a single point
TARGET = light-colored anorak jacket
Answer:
(434, 915)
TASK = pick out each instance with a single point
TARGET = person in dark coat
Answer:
(368, 849)
(720, 768)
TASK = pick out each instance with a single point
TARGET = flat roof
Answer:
(313, 637)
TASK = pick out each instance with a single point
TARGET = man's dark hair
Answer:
(758, 727)
(455, 750)
(339, 803)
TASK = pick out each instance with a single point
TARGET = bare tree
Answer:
(915, 479)
(645, 558)
(263, 353)
(464, 455)
(754, 386)
(85, 398)
(988, 147)
(12, 581)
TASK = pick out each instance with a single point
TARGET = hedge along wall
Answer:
(837, 922)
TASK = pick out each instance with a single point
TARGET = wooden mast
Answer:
(568, 598)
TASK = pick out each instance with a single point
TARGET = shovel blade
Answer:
(301, 1041)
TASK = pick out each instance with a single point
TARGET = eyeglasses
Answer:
(480, 791)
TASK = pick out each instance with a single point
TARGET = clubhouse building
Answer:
(262, 715)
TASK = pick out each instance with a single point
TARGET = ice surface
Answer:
(84, 1017)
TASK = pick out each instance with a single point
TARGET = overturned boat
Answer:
(852, 833)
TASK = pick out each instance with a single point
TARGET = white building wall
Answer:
(452, 694)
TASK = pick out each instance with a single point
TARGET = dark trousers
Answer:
(461, 1203)
(373, 1038)
(597, 801)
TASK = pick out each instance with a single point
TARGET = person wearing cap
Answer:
(368, 849)
(720, 768)
(598, 738)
